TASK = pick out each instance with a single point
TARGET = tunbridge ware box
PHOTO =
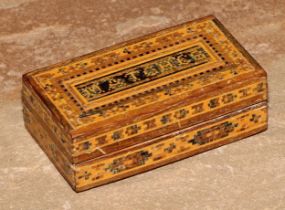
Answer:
(145, 103)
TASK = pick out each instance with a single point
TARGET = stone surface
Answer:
(248, 174)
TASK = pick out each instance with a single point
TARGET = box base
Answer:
(153, 153)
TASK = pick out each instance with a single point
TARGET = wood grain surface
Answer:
(91, 113)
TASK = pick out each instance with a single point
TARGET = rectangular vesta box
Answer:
(145, 103)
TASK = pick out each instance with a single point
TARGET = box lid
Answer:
(135, 80)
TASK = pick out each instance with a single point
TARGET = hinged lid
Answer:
(145, 77)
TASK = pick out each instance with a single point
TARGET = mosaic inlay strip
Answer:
(149, 71)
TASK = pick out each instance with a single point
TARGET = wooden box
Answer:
(145, 103)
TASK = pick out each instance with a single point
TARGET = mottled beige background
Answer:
(248, 175)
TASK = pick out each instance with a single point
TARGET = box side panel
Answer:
(46, 141)
(45, 117)
(168, 149)
(224, 98)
